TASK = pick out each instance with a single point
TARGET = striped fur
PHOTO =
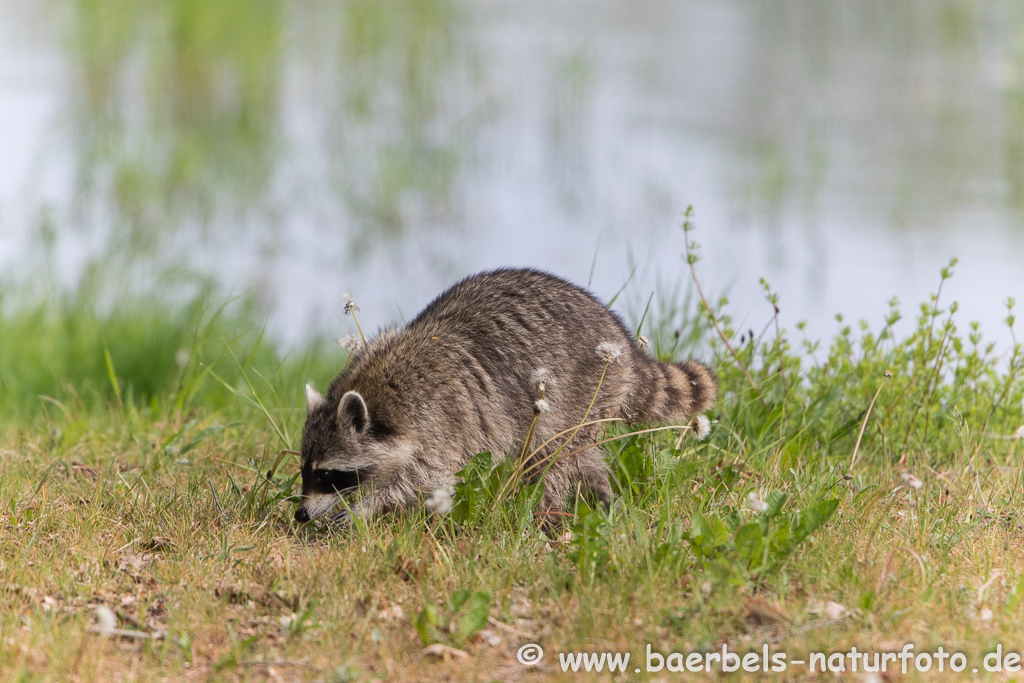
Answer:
(676, 391)
(413, 407)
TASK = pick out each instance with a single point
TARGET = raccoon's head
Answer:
(342, 449)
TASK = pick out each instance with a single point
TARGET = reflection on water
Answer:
(393, 133)
(386, 147)
(175, 111)
(182, 122)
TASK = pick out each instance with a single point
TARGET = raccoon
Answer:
(469, 374)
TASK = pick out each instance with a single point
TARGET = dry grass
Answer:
(215, 590)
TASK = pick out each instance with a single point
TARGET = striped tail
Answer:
(680, 391)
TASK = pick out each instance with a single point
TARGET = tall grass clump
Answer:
(144, 352)
(936, 397)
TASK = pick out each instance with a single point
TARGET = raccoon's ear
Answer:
(353, 413)
(313, 399)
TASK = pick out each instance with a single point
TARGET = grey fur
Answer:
(412, 408)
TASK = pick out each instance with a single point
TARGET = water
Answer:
(299, 150)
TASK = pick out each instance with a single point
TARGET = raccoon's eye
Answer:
(331, 481)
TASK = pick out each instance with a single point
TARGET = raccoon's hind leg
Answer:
(593, 475)
(585, 472)
(557, 488)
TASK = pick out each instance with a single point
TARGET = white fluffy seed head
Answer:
(835, 611)
(1019, 434)
(911, 481)
(701, 427)
(350, 305)
(755, 503)
(106, 621)
(543, 379)
(541, 405)
(609, 352)
(350, 343)
(440, 500)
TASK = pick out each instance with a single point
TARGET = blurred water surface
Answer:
(299, 150)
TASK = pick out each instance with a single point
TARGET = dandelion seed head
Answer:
(1019, 434)
(701, 427)
(541, 405)
(350, 305)
(349, 343)
(609, 352)
(911, 481)
(755, 503)
(440, 500)
(543, 378)
(834, 611)
(106, 621)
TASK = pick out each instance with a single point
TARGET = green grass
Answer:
(140, 484)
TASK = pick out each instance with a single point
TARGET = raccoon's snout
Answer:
(312, 506)
(322, 489)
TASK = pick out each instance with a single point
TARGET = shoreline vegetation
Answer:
(859, 491)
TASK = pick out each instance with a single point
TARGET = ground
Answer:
(865, 494)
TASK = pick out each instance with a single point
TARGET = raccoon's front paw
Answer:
(342, 518)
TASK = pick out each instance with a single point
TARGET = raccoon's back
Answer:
(517, 320)
(522, 306)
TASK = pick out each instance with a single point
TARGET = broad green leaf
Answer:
(458, 599)
(775, 500)
(815, 516)
(733, 520)
(749, 544)
(426, 625)
(478, 608)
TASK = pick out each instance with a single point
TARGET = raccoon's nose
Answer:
(301, 515)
